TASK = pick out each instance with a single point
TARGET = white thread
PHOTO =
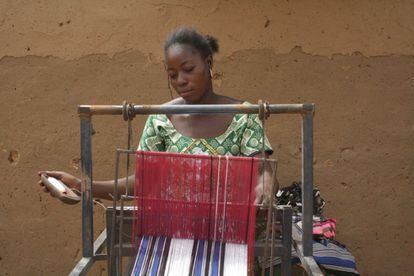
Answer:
(179, 257)
(235, 260)
(225, 198)
(218, 185)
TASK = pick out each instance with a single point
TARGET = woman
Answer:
(189, 64)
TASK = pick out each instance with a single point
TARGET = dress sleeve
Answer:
(252, 140)
(151, 139)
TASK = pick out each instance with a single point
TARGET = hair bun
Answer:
(206, 45)
(213, 42)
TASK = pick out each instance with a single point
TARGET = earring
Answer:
(211, 73)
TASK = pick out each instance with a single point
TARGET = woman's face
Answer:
(189, 72)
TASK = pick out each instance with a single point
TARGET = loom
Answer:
(204, 203)
(123, 222)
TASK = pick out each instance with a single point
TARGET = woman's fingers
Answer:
(44, 188)
(262, 195)
(266, 200)
(69, 180)
(55, 174)
(42, 172)
(258, 200)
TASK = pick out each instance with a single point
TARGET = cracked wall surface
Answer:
(354, 59)
(72, 29)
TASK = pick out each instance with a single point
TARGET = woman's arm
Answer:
(101, 189)
(105, 189)
(264, 182)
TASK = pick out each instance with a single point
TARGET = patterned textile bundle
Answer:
(201, 200)
(292, 196)
(332, 256)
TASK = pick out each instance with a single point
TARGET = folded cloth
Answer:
(331, 255)
(326, 229)
(322, 227)
(334, 257)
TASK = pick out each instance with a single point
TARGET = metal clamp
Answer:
(128, 111)
(264, 111)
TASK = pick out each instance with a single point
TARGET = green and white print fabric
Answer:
(242, 138)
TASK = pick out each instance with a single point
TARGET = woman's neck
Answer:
(208, 98)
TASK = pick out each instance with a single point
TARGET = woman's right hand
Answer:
(69, 180)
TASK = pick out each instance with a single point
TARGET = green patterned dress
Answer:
(243, 137)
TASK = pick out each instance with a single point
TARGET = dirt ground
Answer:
(353, 59)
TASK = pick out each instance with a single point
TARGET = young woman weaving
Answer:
(189, 65)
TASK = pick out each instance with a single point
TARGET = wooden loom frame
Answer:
(92, 251)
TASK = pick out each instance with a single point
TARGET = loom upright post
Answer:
(286, 265)
(87, 203)
(307, 178)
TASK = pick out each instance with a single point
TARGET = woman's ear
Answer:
(209, 61)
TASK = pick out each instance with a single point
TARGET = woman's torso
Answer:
(202, 126)
(218, 134)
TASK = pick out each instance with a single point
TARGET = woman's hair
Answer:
(206, 45)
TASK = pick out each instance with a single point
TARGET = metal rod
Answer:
(308, 263)
(120, 240)
(191, 109)
(82, 266)
(132, 151)
(110, 212)
(113, 218)
(85, 263)
(87, 200)
(286, 267)
(129, 142)
(272, 244)
(307, 182)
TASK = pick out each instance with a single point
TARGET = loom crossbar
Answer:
(86, 112)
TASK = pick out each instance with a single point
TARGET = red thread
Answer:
(176, 197)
